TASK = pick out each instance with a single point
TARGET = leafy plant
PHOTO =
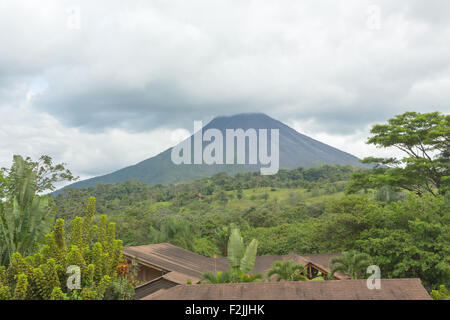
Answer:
(351, 263)
(25, 217)
(288, 271)
(92, 249)
(47, 174)
(241, 260)
(425, 140)
(442, 294)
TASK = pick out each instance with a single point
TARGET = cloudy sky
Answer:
(105, 84)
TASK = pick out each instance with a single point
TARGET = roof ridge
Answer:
(297, 282)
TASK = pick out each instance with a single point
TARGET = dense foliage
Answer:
(184, 213)
(88, 259)
(288, 271)
(25, 217)
(303, 211)
(395, 215)
(241, 260)
(352, 263)
(425, 141)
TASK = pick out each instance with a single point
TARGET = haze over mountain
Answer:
(295, 149)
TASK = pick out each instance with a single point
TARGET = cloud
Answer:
(27, 132)
(130, 72)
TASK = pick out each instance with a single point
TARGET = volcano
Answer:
(295, 149)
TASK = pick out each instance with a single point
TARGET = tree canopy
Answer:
(424, 138)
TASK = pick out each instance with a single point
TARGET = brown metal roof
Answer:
(391, 289)
(180, 278)
(169, 258)
(264, 263)
(166, 281)
(172, 258)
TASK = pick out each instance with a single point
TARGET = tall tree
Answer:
(91, 253)
(175, 230)
(241, 260)
(425, 141)
(25, 217)
(47, 174)
(221, 236)
(3, 185)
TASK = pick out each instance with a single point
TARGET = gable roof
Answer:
(166, 281)
(168, 257)
(264, 263)
(391, 289)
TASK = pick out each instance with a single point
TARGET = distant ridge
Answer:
(296, 150)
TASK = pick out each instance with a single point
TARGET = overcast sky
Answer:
(105, 84)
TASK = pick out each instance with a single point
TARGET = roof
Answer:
(391, 289)
(172, 258)
(264, 263)
(166, 281)
(179, 278)
(169, 258)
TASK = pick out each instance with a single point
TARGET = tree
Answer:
(351, 263)
(3, 185)
(223, 197)
(20, 292)
(175, 230)
(25, 217)
(410, 239)
(442, 294)
(218, 277)
(222, 234)
(239, 192)
(241, 260)
(230, 277)
(91, 249)
(388, 194)
(425, 140)
(288, 271)
(47, 174)
(205, 247)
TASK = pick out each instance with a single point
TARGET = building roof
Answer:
(168, 257)
(166, 281)
(180, 278)
(391, 289)
(264, 263)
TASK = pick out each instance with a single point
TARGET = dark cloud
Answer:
(170, 69)
(142, 66)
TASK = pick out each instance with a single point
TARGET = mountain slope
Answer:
(296, 150)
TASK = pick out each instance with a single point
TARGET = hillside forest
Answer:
(397, 213)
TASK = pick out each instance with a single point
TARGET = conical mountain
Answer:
(295, 149)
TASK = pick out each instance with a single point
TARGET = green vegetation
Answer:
(241, 259)
(36, 261)
(150, 214)
(397, 213)
(90, 249)
(25, 217)
(425, 139)
(406, 235)
(288, 271)
(352, 263)
(441, 294)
